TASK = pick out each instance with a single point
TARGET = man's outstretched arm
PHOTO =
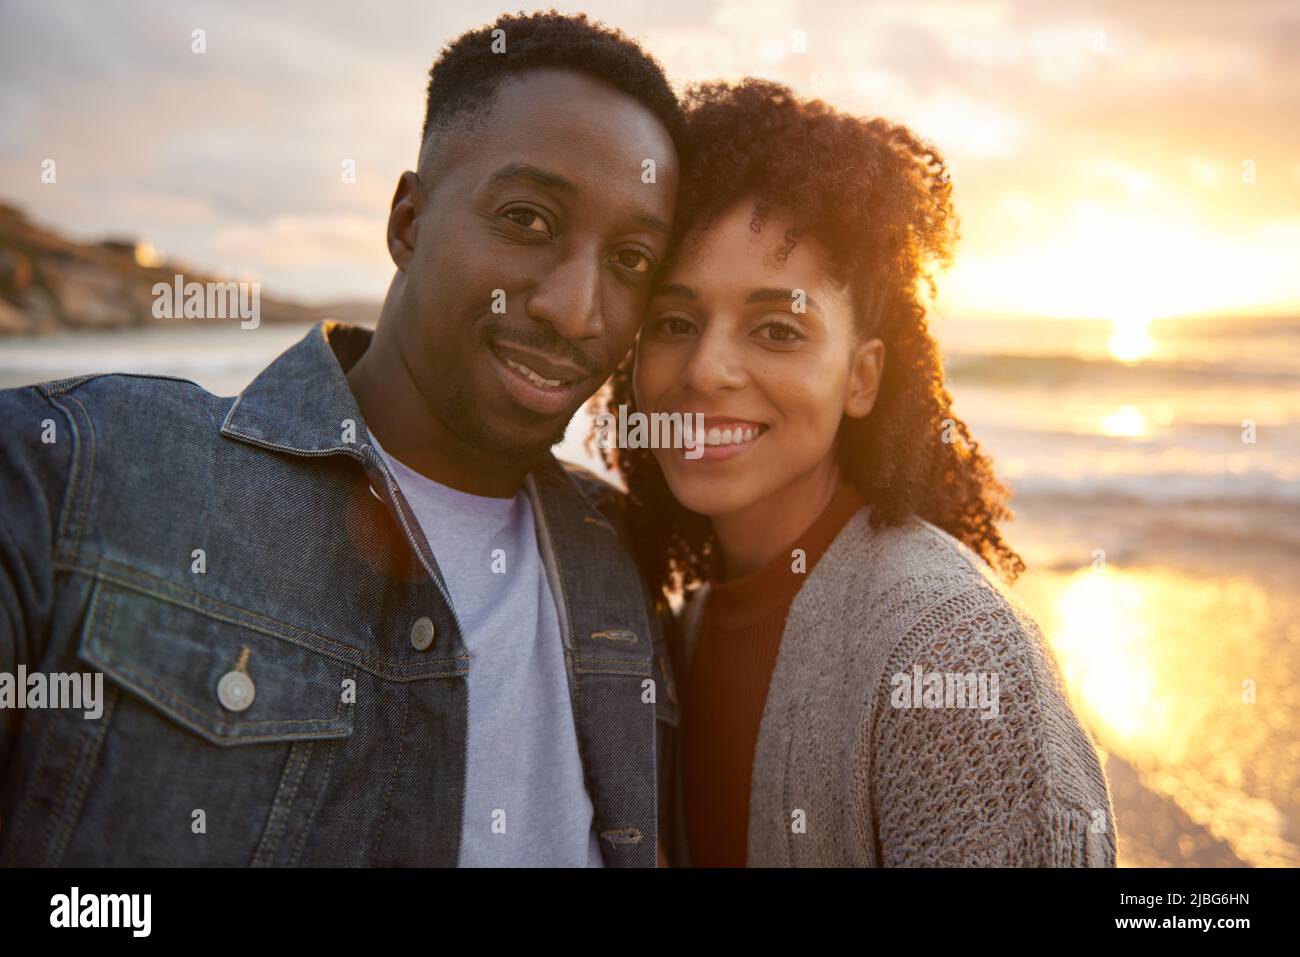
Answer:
(36, 450)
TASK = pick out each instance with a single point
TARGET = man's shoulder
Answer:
(117, 380)
(124, 397)
(102, 385)
(601, 493)
(107, 412)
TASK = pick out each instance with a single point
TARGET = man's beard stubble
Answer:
(465, 421)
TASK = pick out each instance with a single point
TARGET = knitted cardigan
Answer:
(854, 768)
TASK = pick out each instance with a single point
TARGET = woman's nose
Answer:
(714, 364)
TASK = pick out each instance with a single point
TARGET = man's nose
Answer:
(568, 298)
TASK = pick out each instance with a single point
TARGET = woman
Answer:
(858, 689)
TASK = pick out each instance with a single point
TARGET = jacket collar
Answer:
(301, 401)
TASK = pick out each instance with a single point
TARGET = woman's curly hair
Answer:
(879, 200)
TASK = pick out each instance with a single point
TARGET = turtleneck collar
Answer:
(745, 601)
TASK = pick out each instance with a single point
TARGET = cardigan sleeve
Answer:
(1004, 775)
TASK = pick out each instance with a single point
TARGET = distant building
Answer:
(140, 250)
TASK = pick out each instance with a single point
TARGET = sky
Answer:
(1113, 159)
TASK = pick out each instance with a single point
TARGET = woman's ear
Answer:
(865, 373)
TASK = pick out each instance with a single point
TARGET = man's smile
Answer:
(542, 384)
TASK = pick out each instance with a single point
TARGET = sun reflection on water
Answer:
(1162, 667)
(1103, 641)
(1130, 339)
(1127, 420)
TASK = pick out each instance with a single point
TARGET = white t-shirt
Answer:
(526, 801)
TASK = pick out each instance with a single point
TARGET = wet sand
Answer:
(1194, 609)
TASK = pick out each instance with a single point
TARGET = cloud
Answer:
(298, 241)
(233, 156)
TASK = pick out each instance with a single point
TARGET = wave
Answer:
(1167, 488)
(1074, 371)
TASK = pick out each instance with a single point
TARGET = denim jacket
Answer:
(284, 676)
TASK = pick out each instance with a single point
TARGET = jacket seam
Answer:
(397, 770)
(73, 481)
(315, 806)
(299, 754)
(85, 772)
(59, 833)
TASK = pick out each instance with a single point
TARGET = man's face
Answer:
(528, 258)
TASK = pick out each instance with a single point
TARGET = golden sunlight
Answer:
(147, 255)
(1127, 420)
(1104, 625)
(1164, 666)
(1130, 340)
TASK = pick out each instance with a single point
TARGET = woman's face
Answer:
(728, 334)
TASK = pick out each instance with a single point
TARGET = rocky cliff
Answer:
(49, 283)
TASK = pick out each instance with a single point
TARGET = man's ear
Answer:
(404, 219)
(865, 373)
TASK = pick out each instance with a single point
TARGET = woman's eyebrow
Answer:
(779, 295)
(676, 290)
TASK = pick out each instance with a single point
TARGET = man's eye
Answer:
(634, 260)
(528, 218)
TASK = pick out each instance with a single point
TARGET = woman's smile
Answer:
(726, 438)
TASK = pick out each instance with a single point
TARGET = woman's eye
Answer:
(528, 218)
(781, 332)
(634, 260)
(674, 326)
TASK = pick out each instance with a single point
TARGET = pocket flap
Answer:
(174, 656)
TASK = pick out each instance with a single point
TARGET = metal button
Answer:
(421, 634)
(235, 691)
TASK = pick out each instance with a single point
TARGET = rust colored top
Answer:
(740, 635)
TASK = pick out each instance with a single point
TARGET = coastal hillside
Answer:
(49, 283)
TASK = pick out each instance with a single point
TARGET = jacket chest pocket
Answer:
(216, 739)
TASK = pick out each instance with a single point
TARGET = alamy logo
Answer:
(213, 300)
(37, 690)
(658, 430)
(102, 910)
(946, 689)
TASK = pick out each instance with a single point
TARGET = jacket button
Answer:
(235, 691)
(421, 634)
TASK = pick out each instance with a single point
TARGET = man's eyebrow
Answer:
(544, 177)
(535, 173)
(652, 223)
(676, 290)
(779, 295)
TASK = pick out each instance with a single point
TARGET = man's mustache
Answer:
(542, 339)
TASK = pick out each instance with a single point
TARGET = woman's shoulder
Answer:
(915, 559)
(971, 706)
(927, 588)
(926, 601)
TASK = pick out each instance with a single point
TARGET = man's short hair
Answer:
(465, 77)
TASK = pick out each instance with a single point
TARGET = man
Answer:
(360, 615)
